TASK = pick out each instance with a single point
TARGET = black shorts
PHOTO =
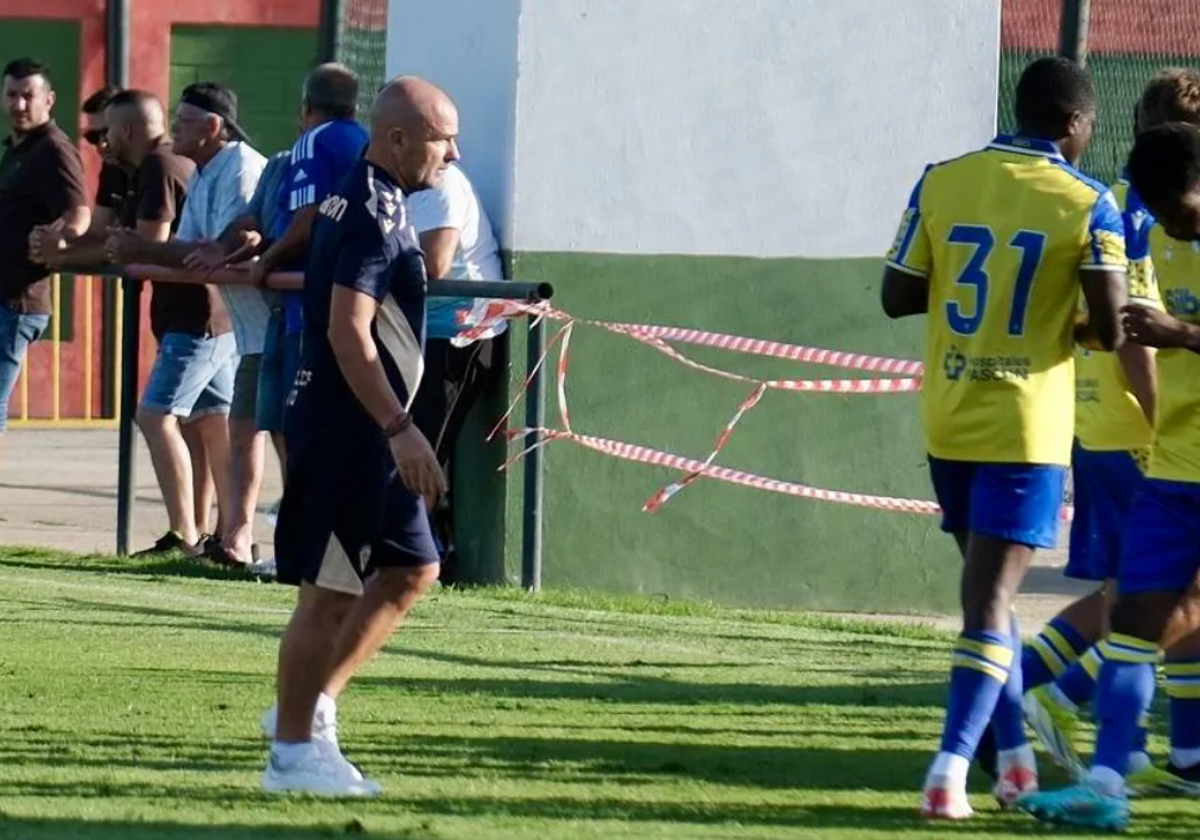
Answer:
(344, 514)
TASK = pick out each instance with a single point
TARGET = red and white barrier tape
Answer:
(484, 317)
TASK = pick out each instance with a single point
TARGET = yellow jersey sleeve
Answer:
(1105, 246)
(911, 252)
(1143, 285)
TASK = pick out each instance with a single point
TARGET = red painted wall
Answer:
(150, 40)
(1158, 27)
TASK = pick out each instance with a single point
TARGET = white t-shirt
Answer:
(454, 204)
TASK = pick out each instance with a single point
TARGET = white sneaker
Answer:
(324, 729)
(322, 773)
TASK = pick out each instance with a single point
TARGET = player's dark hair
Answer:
(332, 90)
(98, 101)
(23, 68)
(1165, 163)
(1050, 90)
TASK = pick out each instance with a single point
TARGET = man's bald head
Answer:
(331, 91)
(136, 124)
(414, 132)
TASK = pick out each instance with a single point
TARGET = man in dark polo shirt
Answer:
(41, 182)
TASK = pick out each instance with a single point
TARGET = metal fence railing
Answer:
(125, 382)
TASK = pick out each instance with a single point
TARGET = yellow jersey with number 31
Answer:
(1002, 235)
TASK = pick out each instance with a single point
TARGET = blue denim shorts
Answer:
(193, 376)
(280, 361)
(17, 332)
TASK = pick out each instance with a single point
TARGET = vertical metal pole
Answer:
(1073, 30)
(116, 44)
(535, 418)
(131, 316)
(330, 32)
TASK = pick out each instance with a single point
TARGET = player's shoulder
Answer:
(339, 135)
(365, 199)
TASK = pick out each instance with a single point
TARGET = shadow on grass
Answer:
(558, 816)
(69, 829)
(174, 566)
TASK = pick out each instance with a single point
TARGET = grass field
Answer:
(130, 693)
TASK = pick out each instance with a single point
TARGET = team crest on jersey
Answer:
(1182, 303)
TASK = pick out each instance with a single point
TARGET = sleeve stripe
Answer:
(1115, 269)
(905, 269)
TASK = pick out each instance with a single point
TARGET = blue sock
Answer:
(1078, 684)
(979, 670)
(1183, 688)
(1008, 718)
(1123, 695)
(1050, 653)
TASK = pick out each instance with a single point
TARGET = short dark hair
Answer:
(133, 96)
(332, 90)
(1165, 163)
(1050, 90)
(98, 101)
(23, 68)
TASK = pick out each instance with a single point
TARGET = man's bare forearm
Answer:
(87, 250)
(168, 254)
(358, 359)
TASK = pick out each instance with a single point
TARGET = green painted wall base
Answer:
(714, 541)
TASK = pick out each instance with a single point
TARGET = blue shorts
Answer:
(1106, 484)
(17, 332)
(1162, 538)
(280, 361)
(1018, 503)
(193, 376)
(345, 514)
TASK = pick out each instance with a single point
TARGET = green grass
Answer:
(130, 694)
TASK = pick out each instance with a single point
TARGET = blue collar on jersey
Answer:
(1033, 146)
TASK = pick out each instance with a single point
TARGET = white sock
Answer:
(951, 769)
(1139, 760)
(327, 707)
(1185, 758)
(1017, 757)
(1107, 781)
(1062, 699)
(287, 756)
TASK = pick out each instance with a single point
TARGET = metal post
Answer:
(535, 418)
(1073, 30)
(117, 43)
(330, 32)
(131, 317)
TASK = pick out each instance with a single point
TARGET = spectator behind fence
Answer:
(239, 242)
(329, 147)
(111, 190)
(459, 244)
(202, 367)
(41, 182)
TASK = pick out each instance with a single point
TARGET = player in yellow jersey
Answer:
(1157, 583)
(995, 246)
(1115, 398)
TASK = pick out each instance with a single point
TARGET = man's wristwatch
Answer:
(399, 425)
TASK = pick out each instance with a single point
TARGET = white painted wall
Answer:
(765, 128)
(469, 48)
